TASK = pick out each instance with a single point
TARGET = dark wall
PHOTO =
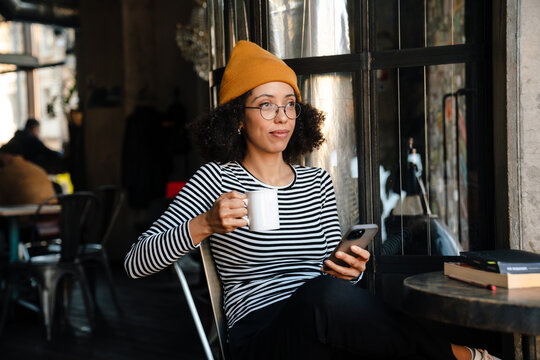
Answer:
(128, 59)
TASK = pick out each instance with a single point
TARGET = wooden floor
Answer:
(155, 324)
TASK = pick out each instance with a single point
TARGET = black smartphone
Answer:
(359, 235)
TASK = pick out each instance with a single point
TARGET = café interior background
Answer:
(116, 56)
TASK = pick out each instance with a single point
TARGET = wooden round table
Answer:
(440, 298)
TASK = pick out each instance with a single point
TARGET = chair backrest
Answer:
(110, 199)
(216, 297)
(76, 219)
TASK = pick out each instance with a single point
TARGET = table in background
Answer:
(13, 213)
(440, 298)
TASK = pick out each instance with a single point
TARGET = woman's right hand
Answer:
(227, 213)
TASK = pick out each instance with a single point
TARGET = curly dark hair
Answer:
(217, 137)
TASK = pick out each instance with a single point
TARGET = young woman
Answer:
(278, 300)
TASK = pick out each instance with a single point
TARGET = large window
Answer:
(323, 31)
(13, 103)
(37, 79)
(13, 96)
(333, 94)
(307, 30)
(428, 86)
(403, 84)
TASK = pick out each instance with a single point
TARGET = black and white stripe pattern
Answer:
(256, 268)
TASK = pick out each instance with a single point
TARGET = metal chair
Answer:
(4, 293)
(216, 299)
(50, 271)
(110, 199)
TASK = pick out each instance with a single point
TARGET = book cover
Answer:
(466, 272)
(508, 261)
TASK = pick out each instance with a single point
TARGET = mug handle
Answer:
(245, 205)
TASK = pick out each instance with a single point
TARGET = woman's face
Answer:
(268, 136)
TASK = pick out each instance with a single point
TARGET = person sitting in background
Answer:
(27, 143)
(22, 182)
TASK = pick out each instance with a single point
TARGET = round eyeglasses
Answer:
(269, 111)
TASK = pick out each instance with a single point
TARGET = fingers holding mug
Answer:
(227, 212)
(259, 210)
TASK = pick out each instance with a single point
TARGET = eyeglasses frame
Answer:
(296, 107)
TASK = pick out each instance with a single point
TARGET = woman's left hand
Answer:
(357, 264)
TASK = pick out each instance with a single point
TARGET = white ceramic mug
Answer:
(263, 210)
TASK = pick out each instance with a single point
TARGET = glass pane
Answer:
(11, 37)
(386, 24)
(332, 93)
(445, 22)
(50, 43)
(13, 104)
(55, 85)
(386, 97)
(57, 96)
(406, 24)
(51, 112)
(447, 135)
(412, 23)
(304, 28)
(423, 159)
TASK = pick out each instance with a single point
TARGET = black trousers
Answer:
(328, 318)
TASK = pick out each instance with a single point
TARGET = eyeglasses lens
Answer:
(270, 112)
(292, 111)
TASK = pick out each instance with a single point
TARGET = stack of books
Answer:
(491, 268)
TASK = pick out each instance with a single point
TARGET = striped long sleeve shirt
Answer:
(256, 269)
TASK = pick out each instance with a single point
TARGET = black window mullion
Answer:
(438, 55)
(327, 64)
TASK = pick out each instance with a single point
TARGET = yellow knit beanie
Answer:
(250, 66)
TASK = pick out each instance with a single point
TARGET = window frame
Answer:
(363, 62)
